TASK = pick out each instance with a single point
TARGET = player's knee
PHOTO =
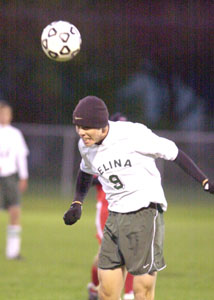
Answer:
(144, 287)
(144, 295)
(104, 292)
(107, 292)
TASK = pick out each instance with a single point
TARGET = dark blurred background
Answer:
(152, 60)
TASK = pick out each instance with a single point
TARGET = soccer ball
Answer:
(61, 41)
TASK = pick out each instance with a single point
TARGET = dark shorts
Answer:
(134, 240)
(9, 192)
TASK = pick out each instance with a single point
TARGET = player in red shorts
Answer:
(101, 217)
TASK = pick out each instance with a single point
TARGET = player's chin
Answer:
(88, 142)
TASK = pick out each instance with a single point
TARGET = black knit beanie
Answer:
(91, 112)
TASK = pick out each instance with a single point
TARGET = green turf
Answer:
(58, 257)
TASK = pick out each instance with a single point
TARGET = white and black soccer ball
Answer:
(61, 41)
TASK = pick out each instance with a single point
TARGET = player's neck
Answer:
(104, 135)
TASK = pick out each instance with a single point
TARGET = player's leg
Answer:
(93, 285)
(111, 283)
(111, 267)
(101, 217)
(13, 244)
(144, 286)
(100, 220)
(14, 215)
(12, 195)
(94, 271)
(128, 289)
(142, 249)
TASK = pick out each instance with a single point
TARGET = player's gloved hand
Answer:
(208, 186)
(73, 214)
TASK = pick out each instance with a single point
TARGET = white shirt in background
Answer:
(13, 152)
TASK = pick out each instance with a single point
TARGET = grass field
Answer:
(58, 257)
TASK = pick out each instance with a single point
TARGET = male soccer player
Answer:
(122, 155)
(13, 177)
(101, 217)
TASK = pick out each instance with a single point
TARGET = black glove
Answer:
(73, 214)
(208, 186)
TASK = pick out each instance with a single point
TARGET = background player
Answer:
(13, 177)
(101, 217)
(123, 155)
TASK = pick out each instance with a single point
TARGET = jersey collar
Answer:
(109, 138)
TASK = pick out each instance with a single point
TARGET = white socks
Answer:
(129, 296)
(13, 243)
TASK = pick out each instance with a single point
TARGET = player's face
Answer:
(91, 136)
(5, 115)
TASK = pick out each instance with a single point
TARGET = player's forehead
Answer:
(5, 108)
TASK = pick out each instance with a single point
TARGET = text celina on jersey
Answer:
(125, 164)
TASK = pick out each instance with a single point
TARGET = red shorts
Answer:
(101, 213)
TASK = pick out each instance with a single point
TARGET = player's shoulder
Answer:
(128, 127)
(14, 130)
(9, 129)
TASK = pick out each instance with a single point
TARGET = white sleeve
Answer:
(21, 157)
(85, 168)
(22, 167)
(149, 143)
(85, 165)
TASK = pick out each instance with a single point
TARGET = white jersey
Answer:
(13, 152)
(125, 165)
